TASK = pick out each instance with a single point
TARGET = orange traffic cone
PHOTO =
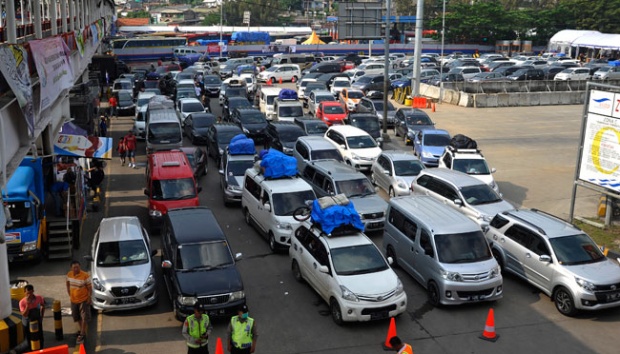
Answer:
(219, 349)
(433, 107)
(391, 333)
(489, 328)
(280, 80)
(268, 82)
(293, 79)
(82, 350)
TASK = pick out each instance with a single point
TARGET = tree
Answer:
(212, 18)
(139, 14)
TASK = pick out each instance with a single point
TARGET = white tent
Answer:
(598, 40)
(563, 40)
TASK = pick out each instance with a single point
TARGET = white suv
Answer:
(470, 161)
(349, 272)
(556, 257)
(268, 205)
(284, 72)
(358, 148)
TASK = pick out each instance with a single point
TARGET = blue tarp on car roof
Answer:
(278, 165)
(336, 216)
(241, 145)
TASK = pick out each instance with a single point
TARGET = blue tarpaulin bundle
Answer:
(287, 94)
(614, 63)
(241, 145)
(336, 216)
(251, 37)
(278, 165)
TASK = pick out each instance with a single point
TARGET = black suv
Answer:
(198, 264)
(231, 103)
(218, 138)
(251, 121)
(311, 126)
(327, 67)
(409, 121)
(212, 85)
(282, 136)
(375, 106)
(527, 74)
(373, 82)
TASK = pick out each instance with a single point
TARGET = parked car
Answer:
(316, 97)
(555, 257)
(356, 146)
(447, 77)
(338, 84)
(232, 169)
(196, 127)
(187, 106)
(470, 161)
(429, 145)
(394, 170)
(374, 105)
(350, 98)
(409, 121)
(311, 126)
(330, 112)
(218, 138)
(251, 121)
(369, 82)
(527, 74)
(282, 136)
(573, 74)
(487, 77)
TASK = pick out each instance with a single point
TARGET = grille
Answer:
(124, 291)
(214, 300)
(476, 277)
(13, 248)
(376, 298)
(373, 215)
(485, 292)
(611, 287)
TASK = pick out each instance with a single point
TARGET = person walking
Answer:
(32, 308)
(196, 330)
(400, 347)
(242, 334)
(103, 127)
(79, 288)
(113, 103)
(122, 150)
(130, 145)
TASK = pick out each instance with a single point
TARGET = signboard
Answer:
(360, 20)
(83, 146)
(51, 58)
(246, 17)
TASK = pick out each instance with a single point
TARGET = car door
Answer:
(538, 272)
(409, 250)
(188, 127)
(381, 176)
(263, 211)
(376, 84)
(303, 245)
(323, 282)
(399, 122)
(423, 257)
(513, 243)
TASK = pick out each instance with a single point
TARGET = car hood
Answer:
(254, 127)
(493, 208)
(435, 150)
(335, 116)
(201, 131)
(234, 180)
(370, 153)
(417, 128)
(377, 283)
(407, 179)
(599, 273)
(124, 276)
(209, 282)
(369, 204)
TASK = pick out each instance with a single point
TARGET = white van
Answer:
(268, 96)
(443, 250)
(163, 130)
(184, 50)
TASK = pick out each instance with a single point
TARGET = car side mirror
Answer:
(343, 146)
(220, 172)
(545, 258)
(88, 258)
(458, 202)
(166, 264)
(267, 206)
(238, 256)
(323, 269)
(390, 260)
(146, 192)
(493, 170)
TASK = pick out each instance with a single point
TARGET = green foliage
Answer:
(138, 14)
(262, 12)
(212, 18)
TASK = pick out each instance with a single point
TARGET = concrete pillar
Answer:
(54, 17)
(72, 26)
(63, 15)
(38, 28)
(11, 24)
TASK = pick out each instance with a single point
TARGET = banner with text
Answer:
(83, 146)
(14, 68)
(51, 57)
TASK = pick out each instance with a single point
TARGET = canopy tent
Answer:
(313, 39)
(567, 37)
(584, 39)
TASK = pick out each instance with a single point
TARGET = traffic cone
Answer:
(268, 82)
(489, 328)
(82, 349)
(219, 349)
(433, 106)
(280, 80)
(293, 79)
(391, 333)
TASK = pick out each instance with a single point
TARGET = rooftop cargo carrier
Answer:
(336, 215)
(241, 145)
(287, 95)
(276, 164)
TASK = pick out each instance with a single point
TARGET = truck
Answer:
(33, 230)
(108, 66)
(84, 105)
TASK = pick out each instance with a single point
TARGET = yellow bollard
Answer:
(35, 339)
(57, 320)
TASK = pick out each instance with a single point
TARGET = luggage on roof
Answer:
(337, 217)
(277, 165)
(287, 94)
(241, 145)
(460, 141)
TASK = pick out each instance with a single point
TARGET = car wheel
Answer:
(433, 293)
(297, 271)
(334, 308)
(390, 253)
(564, 302)
(273, 80)
(392, 193)
(272, 242)
(176, 311)
(499, 260)
(248, 218)
(372, 179)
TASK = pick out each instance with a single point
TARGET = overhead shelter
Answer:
(565, 40)
(313, 39)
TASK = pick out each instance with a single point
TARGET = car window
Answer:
(480, 194)
(284, 204)
(204, 255)
(396, 218)
(471, 166)
(330, 154)
(122, 253)
(462, 248)
(301, 149)
(356, 187)
(410, 229)
(425, 243)
(359, 259)
(361, 142)
(173, 189)
(498, 222)
(519, 234)
(407, 167)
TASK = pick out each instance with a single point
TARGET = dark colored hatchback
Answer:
(251, 121)
(218, 138)
(283, 136)
(198, 265)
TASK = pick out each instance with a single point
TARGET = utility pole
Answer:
(419, 25)
(386, 54)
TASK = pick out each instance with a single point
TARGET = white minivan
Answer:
(268, 96)
(284, 72)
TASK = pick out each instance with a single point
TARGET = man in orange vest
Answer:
(399, 346)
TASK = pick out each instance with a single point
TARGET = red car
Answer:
(331, 112)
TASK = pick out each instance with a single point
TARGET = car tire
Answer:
(248, 217)
(433, 294)
(335, 311)
(273, 246)
(296, 271)
(499, 260)
(391, 253)
(273, 80)
(392, 193)
(564, 302)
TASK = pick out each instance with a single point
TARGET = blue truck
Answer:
(32, 231)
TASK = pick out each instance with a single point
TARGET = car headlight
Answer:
(585, 284)
(283, 226)
(452, 276)
(427, 154)
(401, 184)
(495, 272)
(155, 213)
(287, 149)
(348, 294)
(98, 285)
(246, 131)
(187, 300)
(29, 246)
(399, 288)
(355, 156)
(233, 188)
(149, 281)
(237, 295)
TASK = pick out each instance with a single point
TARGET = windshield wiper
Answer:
(206, 267)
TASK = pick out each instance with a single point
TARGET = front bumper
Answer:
(16, 255)
(220, 310)
(456, 293)
(363, 311)
(232, 196)
(124, 298)
(597, 301)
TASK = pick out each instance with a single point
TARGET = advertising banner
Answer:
(83, 146)
(80, 41)
(51, 57)
(14, 68)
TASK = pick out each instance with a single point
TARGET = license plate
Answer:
(475, 298)
(375, 225)
(126, 300)
(216, 312)
(379, 315)
(612, 297)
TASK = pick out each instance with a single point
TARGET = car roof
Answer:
(189, 100)
(166, 165)
(331, 103)
(121, 228)
(348, 130)
(398, 155)
(186, 82)
(434, 214)
(412, 112)
(282, 185)
(457, 178)
(195, 224)
(337, 170)
(285, 126)
(316, 142)
(322, 93)
(551, 226)
(226, 126)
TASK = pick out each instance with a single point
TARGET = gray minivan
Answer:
(163, 130)
(314, 148)
(442, 249)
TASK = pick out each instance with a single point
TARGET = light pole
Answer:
(221, 44)
(386, 60)
(419, 23)
(443, 35)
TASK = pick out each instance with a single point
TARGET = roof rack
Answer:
(513, 214)
(554, 216)
(463, 151)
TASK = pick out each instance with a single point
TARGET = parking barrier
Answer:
(57, 320)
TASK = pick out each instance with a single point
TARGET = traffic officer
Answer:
(399, 346)
(196, 330)
(242, 333)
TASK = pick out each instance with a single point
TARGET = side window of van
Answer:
(309, 173)
(301, 149)
(396, 218)
(426, 244)
(498, 222)
(319, 180)
(253, 188)
(410, 229)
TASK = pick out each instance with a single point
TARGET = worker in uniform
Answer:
(242, 333)
(196, 330)
(400, 347)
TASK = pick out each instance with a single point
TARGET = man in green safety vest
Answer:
(242, 333)
(196, 331)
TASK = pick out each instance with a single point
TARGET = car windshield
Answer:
(122, 253)
(341, 83)
(363, 80)
(142, 101)
(21, 214)
(330, 154)
(368, 125)
(252, 118)
(305, 83)
(576, 249)
(480, 194)
(360, 259)
(238, 103)
(419, 120)
(324, 98)
(163, 133)
(193, 107)
(407, 167)
(208, 255)
(203, 122)
(291, 135)
(284, 204)
(317, 128)
(238, 167)
(436, 140)
(354, 95)
(471, 166)
(290, 111)
(361, 142)
(235, 91)
(467, 247)
(355, 188)
(604, 69)
(333, 109)
(124, 96)
(212, 80)
(379, 106)
(173, 189)
(224, 137)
